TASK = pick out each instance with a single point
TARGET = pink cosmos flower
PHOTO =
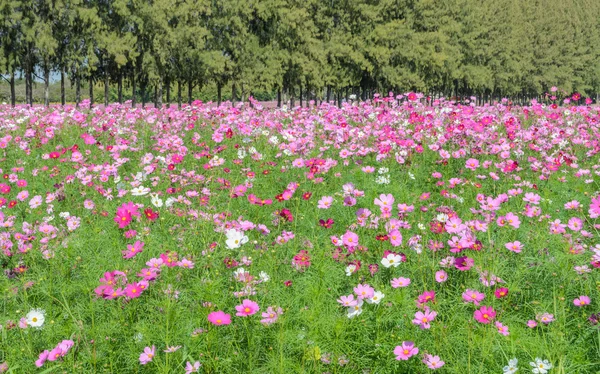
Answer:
(147, 355)
(485, 314)
(515, 246)
(400, 282)
(385, 201)
(219, 318)
(531, 323)
(271, 316)
(364, 291)
(347, 300)
(441, 276)
(433, 362)
(423, 319)
(503, 330)
(501, 292)
(350, 239)
(395, 238)
(325, 202)
(246, 308)
(405, 351)
(133, 250)
(43, 357)
(472, 164)
(133, 290)
(582, 301)
(189, 368)
(575, 223)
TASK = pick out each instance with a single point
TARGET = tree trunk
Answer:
(156, 94)
(233, 93)
(328, 94)
(120, 88)
(27, 88)
(13, 98)
(279, 98)
(133, 88)
(292, 98)
(339, 98)
(143, 93)
(300, 95)
(62, 86)
(168, 84)
(91, 91)
(105, 85)
(159, 93)
(77, 89)
(179, 94)
(190, 91)
(219, 93)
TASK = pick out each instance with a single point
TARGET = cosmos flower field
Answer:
(390, 236)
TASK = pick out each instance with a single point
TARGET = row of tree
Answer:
(306, 49)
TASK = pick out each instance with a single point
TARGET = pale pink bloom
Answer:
(582, 301)
(147, 355)
(400, 282)
(472, 296)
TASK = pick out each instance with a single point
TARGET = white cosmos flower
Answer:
(235, 239)
(156, 201)
(391, 260)
(376, 298)
(140, 191)
(35, 318)
(512, 366)
(540, 366)
(355, 310)
(350, 269)
(264, 276)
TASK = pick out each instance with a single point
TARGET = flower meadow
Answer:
(396, 235)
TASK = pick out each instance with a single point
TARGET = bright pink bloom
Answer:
(133, 290)
(247, 308)
(395, 238)
(501, 292)
(219, 318)
(485, 314)
(405, 351)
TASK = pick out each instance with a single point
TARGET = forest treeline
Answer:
(163, 50)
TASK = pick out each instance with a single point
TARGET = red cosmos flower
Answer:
(327, 224)
(150, 214)
(382, 238)
(54, 155)
(288, 283)
(171, 167)
(306, 195)
(279, 197)
(287, 215)
(12, 203)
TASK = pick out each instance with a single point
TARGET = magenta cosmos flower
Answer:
(219, 318)
(405, 351)
(485, 314)
(247, 308)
